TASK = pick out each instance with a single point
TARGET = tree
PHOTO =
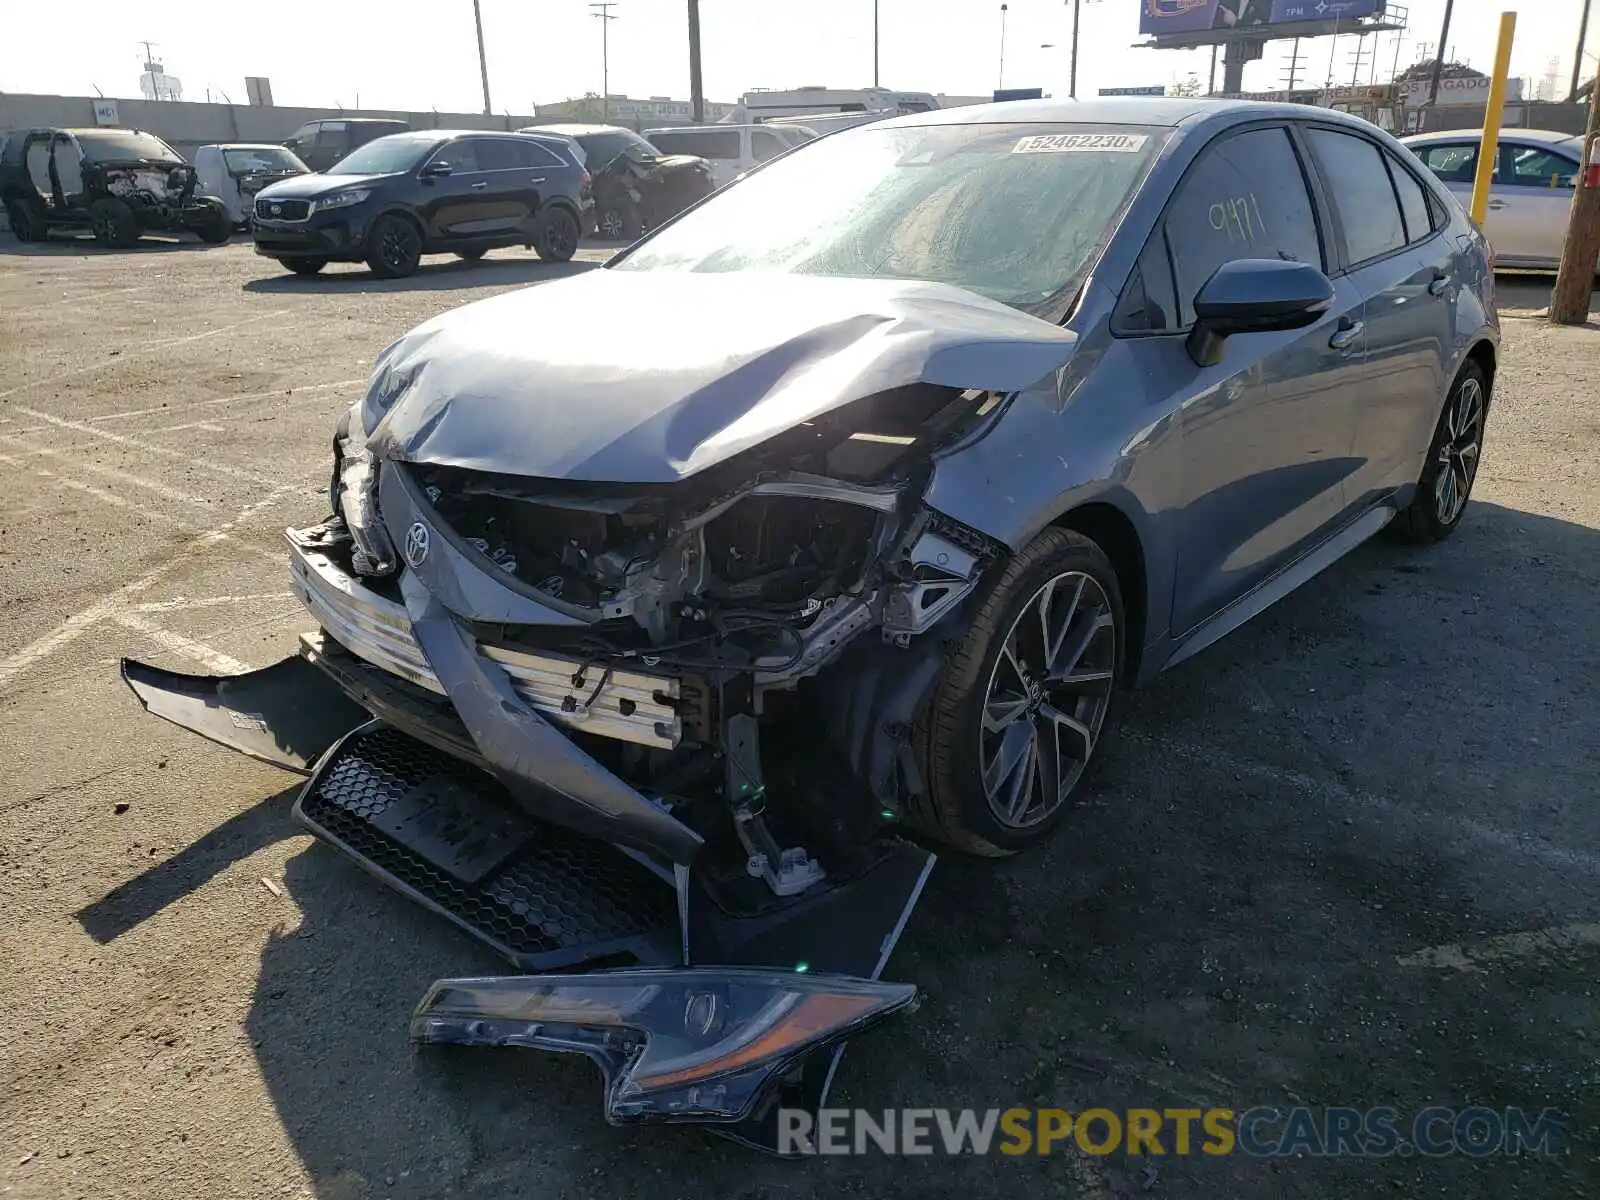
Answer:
(1424, 71)
(1190, 85)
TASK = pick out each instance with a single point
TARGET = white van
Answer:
(235, 171)
(730, 149)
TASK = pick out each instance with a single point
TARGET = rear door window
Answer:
(1245, 197)
(1362, 193)
(1526, 166)
(331, 134)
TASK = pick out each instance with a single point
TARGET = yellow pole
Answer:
(1490, 149)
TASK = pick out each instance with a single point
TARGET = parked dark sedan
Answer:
(940, 432)
(436, 192)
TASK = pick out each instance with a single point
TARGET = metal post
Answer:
(1002, 80)
(1211, 80)
(483, 61)
(1438, 59)
(697, 95)
(1072, 80)
(1577, 59)
(1490, 149)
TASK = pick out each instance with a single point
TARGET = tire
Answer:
(113, 223)
(470, 255)
(1068, 577)
(556, 238)
(304, 266)
(216, 227)
(394, 247)
(28, 223)
(1451, 467)
(618, 221)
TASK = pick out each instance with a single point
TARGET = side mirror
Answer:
(437, 170)
(1255, 295)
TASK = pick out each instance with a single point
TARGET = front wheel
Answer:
(1451, 467)
(215, 226)
(556, 239)
(394, 247)
(114, 224)
(27, 221)
(1017, 713)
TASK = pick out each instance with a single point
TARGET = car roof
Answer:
(1543, 137)
(708, 128)
(1107, 111)
(244, 146)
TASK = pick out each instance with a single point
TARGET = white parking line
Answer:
(201, 653)
(133, 443)
(216, 400)
(141, 348)
(117, 602)
(79, 463)
(111, 498)
(184, 603)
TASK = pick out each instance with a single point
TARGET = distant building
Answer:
(623, 110)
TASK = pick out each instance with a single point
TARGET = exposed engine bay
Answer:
(162, 192)
(737, 585)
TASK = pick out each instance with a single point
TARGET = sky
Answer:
(379, 54)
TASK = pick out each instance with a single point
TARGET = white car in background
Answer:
(235, 171)
(730, 149)
(1530, 198)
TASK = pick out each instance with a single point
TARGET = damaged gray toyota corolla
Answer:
(668, 653)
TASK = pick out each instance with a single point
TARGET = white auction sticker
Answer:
(1071, 143)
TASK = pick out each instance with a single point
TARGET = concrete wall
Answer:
(1563, 118)
(186, 125)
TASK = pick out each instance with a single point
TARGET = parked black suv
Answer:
(430, 192)
(320, 144)
(118, 182)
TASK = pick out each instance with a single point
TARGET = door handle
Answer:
(480, 185)
(1440, 284)
(1498, 204)
(1347, 335)
(537, 179)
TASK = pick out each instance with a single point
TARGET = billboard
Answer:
(1201, 16)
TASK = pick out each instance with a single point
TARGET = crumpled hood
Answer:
(650, 376)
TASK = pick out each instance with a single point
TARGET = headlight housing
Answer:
(355, 498)
(342, 199)
(690, 1044)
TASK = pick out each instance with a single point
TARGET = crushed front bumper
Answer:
(400, 784)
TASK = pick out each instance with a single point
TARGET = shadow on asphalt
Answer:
(143, 896)
(1273, 824)
(450, 275)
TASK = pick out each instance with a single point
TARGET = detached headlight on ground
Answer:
(703, 1044)
(343, 199)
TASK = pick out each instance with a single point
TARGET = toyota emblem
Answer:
(277, 211)
(417, 544)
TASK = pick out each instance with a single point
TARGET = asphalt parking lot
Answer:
(1349, 856)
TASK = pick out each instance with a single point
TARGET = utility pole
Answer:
(1002, 48)
(1072, 79)
(697, 93)
(1577, 59)
(483, 61)
(874, 43)
(602, 10)
(1438, 59)
(1569, 303)
(1211, 80)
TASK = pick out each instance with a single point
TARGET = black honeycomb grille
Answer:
(561, 899)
